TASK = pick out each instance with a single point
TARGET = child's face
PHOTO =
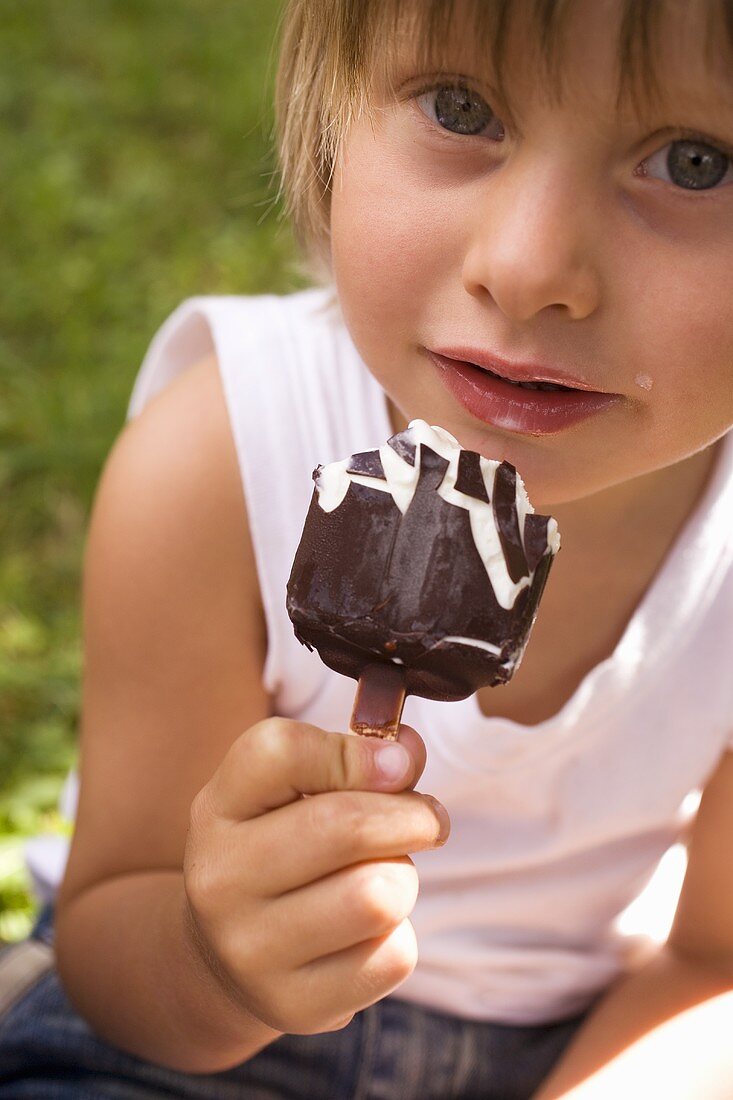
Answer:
(565, 235)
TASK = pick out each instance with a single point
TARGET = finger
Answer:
(348, 981)
(276, 761)
(355, 904)
(415, 745)
(301, 843)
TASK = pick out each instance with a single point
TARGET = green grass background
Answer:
(137, 169)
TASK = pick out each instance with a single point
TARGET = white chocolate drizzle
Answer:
(401, 481)
(477, 642)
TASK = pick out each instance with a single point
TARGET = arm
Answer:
(666, 1029)
(208, 906)
(129, 964)
(174, 644)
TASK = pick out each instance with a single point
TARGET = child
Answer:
(488, 218)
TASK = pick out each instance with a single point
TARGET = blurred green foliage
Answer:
(138, 169)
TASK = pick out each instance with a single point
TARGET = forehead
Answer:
(652, 54)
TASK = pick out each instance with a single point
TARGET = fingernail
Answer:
(443, 819)
(393, 761)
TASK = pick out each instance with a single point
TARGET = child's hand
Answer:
(300, 905)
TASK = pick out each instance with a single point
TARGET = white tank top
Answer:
(555, 827)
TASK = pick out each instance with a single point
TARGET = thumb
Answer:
(277, 761)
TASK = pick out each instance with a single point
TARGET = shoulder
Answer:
(169, 549)
(259, 340)
(169, 531)
(169, 509)
(233, 327)
(250, 314)
(174, 465)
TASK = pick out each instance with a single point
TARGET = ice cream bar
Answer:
(419, 572)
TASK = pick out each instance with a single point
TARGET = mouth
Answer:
(522, 398)
(545, 387)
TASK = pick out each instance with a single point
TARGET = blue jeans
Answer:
(391, 1051)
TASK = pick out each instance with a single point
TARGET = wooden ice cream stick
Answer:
(380, 697)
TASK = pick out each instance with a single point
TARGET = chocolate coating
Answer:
(470, 479)
(370, 583)
(403, 445)
(507, 521)
(368, 462)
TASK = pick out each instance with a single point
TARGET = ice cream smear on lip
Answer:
(401, 478)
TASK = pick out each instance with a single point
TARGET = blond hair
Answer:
(328, 50)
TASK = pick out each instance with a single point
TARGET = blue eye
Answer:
(460, 110)
(690, 164)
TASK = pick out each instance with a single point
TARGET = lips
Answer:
(519, 397)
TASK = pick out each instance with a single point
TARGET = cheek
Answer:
(388, 249)
(682, 335)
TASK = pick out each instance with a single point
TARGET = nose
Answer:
(533, 244)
